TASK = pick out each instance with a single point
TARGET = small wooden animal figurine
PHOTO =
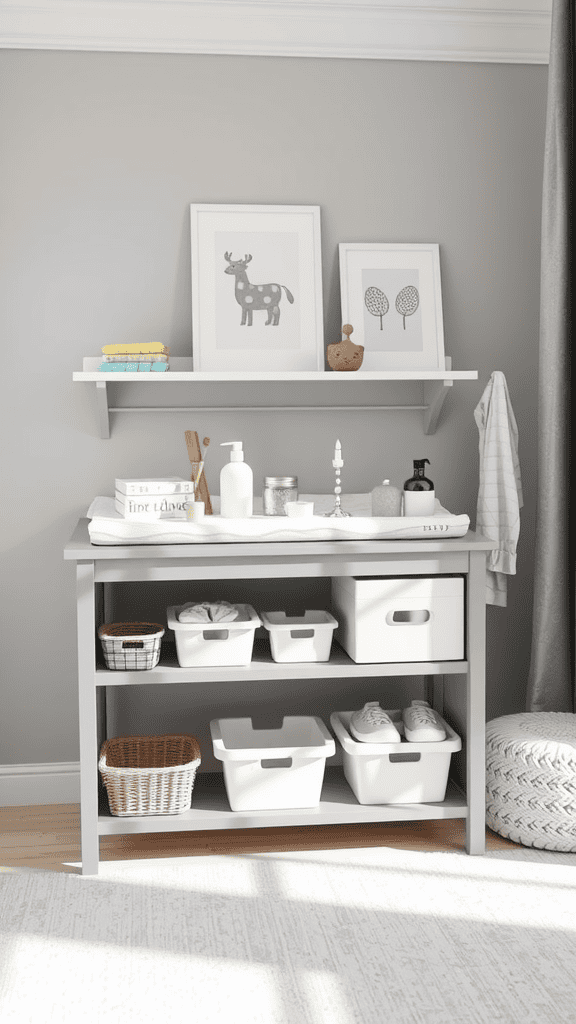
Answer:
(345, 355)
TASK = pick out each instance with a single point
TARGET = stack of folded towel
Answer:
(150, 356)
(206, 611)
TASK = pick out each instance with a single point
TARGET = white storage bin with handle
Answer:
(400, 618)
(272, 769)
(395, 773)
(300, 638)
(215, 644)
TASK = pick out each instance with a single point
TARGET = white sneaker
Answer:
(422, 724)
(373, 725)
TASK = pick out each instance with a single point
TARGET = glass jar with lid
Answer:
(276, 492)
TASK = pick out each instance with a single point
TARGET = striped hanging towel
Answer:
(500, 492)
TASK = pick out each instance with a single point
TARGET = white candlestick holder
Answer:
(337, 511)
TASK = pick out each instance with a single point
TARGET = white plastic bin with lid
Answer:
(395, 773)
(300, 638)
(272, 769)
(400, 618)
(209, 645)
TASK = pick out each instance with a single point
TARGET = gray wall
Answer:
(102, 155)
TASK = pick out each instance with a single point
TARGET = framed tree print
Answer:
(391, 294)
(256, 288)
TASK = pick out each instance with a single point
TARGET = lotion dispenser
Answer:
(236, 484)
(419, 495)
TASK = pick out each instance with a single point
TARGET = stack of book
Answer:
(155, 498)
(147, 357)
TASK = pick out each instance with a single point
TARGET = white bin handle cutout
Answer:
(215, 634)
(276, 762)
(408, 617)
(303, 634)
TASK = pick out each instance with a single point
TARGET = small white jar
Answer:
(299, 509)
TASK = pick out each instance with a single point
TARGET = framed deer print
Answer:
(256, 288)
(391, 295)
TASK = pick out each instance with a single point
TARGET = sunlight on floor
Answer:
(237, 879)
(482, 890)
(87, 983)
(310, 937)
(326, 997)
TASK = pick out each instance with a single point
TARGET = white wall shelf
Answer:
(431, 388)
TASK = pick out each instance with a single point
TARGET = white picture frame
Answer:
(391, 295)
(256, 288)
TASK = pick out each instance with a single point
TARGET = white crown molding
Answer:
(24, 784)
(504, 31)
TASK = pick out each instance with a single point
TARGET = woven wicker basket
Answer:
(149, 774)
(131, 646)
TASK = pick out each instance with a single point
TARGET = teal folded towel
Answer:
(132, 367)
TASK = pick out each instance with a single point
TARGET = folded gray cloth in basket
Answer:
(217, 611)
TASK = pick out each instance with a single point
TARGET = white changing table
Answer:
(101, 565)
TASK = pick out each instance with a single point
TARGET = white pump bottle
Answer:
(236, 484)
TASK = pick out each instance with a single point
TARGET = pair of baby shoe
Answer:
(421, 724)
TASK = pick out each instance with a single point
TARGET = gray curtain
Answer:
(551, 678)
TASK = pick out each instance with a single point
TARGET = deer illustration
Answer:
(255, 296)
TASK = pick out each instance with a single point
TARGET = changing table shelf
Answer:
(98, 567)
(262, 667)
(428, 395)
(338, 806)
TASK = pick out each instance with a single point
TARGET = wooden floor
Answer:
(48, 837)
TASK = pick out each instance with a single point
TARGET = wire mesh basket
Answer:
(149, 774)
(131, 645)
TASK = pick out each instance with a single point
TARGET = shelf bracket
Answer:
(102, 407)
(435, 392)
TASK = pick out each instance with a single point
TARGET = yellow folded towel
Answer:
(145, 346)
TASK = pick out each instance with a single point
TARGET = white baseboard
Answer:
(25, 784)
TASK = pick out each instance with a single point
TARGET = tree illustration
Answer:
(376, 302)
(407, 302)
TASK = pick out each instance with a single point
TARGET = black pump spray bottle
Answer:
(419, 494)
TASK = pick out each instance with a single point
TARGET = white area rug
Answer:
(326, 937)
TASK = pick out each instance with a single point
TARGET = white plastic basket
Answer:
(301, 638)
(269, 769)
(395, 773)
(214, 644)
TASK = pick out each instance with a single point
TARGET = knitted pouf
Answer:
(531, 779)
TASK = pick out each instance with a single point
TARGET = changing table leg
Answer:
(87, 718)
(476, 706)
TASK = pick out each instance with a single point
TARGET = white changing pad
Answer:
(108, 527)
